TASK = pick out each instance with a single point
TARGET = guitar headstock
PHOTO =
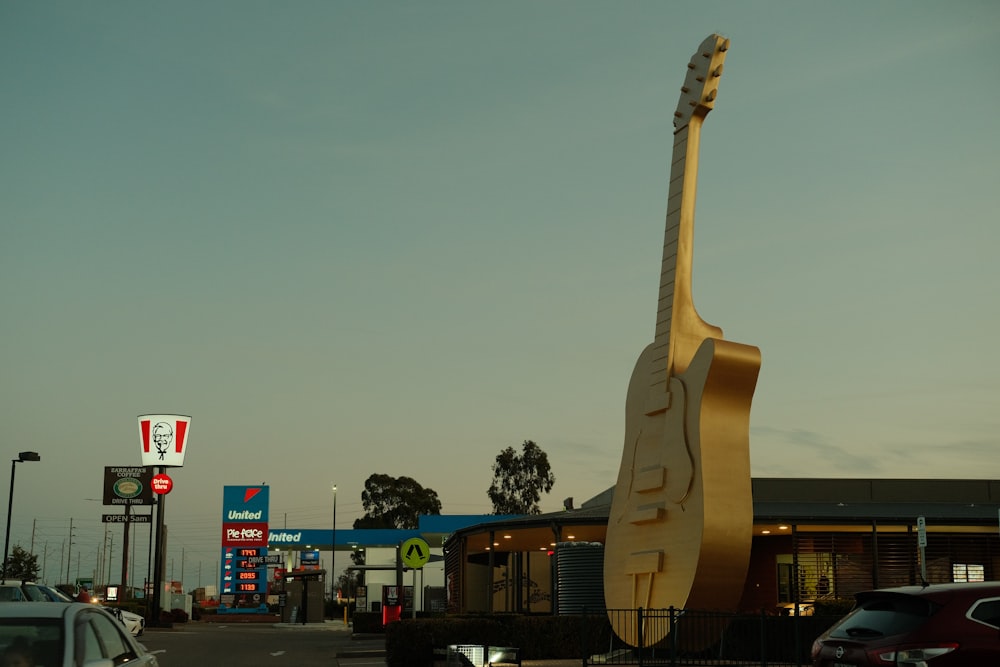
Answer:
(701, 84)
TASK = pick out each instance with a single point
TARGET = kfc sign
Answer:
(244, 534)
(163, 439)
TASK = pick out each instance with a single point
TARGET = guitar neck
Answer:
(679, 329)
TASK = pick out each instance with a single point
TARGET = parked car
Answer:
(134, 623)
(54, 594)
(13, 590)
(27, 590)
(67, 635)
(939, 625)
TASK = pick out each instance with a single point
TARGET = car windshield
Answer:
(31, 641)
(56, 595)
(34, 593)
(10, 594)
(884, 616)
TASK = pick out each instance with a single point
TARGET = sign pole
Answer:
(922, 543)
(158, 557)
(128, 515)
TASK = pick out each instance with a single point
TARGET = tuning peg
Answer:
(718, 71)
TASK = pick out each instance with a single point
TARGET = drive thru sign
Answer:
(415, 553)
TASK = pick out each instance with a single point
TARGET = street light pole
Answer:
(21, 458)
(333, 548)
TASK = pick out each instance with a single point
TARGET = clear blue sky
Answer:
(397, 237)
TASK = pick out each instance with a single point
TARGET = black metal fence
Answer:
(686, 638)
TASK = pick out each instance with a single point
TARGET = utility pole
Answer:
(69, 550)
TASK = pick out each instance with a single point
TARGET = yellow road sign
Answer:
(415, 552)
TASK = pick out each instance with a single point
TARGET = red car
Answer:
(939, 625)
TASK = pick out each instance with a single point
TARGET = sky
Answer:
(351, 238)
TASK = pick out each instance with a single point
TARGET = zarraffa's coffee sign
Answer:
(128, 485)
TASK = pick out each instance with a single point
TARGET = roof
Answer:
(40, 609)
(850, 500)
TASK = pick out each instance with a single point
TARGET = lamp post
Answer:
(333, 548)
(21, 458)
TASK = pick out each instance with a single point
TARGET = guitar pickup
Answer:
(657, 402)
(651, 479)
(647, 514)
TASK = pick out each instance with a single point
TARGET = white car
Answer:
(134, 623)
(67, 635)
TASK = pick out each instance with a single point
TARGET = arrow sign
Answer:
(415, 552)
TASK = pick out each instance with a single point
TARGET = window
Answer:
(964, 572)
(884, 615)
(100, 636)
(38, 640)
(986, 612)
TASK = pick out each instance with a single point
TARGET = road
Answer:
(264, 645)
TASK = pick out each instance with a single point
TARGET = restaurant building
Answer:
(813, 539)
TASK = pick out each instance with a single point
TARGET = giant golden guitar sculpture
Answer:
(681, 519)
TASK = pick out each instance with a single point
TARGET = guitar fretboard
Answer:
(679, 329)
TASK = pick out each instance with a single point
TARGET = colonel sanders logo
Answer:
(164, 439)
(163, 435)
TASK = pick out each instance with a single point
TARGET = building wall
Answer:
(814, 564)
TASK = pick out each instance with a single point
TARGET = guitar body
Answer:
(681, 520)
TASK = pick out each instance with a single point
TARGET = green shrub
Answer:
(178, 616)
(833, 607)
(367, 622)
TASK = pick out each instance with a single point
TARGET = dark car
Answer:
(939, 625)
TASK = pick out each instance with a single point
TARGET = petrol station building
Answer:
(302, 549)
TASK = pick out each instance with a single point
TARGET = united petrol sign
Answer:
(244, 544)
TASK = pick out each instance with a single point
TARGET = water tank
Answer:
(580, 577)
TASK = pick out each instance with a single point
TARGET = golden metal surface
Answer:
(681, 521)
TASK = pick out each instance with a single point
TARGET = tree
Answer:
(395, 502)
(21, 565)
(519, 480)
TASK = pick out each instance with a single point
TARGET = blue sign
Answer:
(243, 581)
(245, 503)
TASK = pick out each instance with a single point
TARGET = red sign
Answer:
(162, 484)
(279, 572)
(244, 534)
